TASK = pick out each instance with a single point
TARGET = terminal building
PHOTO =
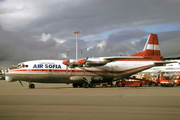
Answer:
(172, 68)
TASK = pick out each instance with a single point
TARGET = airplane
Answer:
(88, 71)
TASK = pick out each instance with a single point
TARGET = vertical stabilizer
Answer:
(151, 48)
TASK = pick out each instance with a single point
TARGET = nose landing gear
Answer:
(31, 85)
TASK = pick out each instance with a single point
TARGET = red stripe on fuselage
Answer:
(75, 71)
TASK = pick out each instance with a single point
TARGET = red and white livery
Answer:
(86, 72)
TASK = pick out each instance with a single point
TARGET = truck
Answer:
(176, 79)
(165, 81)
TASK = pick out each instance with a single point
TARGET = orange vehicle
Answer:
(165, 80)
(124, 83)
(176, 79)
(104, 84)
(144, 81)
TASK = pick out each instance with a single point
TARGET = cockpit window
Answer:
(22, 65)
(18, 65)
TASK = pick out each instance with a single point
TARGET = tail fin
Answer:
(151, 48)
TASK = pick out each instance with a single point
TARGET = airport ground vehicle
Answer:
(176, 79)
(1, 75)
(105, 84)
(135, 83)
(130, 81)
(165, 80)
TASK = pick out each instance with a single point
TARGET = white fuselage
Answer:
(53, 71)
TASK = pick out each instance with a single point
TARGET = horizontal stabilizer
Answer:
(161, 63)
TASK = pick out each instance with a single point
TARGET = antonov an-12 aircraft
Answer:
(86, 72)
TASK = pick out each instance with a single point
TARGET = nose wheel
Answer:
(31, 86)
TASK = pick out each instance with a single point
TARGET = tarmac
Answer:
(63, 102)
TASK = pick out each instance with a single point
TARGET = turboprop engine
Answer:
(76, 78)
(89, 62)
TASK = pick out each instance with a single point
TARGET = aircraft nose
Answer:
(8, 79)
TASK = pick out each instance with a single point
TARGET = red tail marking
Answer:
(151, 48)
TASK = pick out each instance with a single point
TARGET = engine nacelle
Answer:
(97, 78)
(76, 78)
(71, 63)
(93, 62)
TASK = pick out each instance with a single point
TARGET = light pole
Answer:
(76, 32)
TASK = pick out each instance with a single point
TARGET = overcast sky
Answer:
(35, 29)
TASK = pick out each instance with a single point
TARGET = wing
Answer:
(89, 62)
(115, 58)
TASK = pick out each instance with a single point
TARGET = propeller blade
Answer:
(82, 52)
(86, 60)
(84, 69)
(68, 62)
(66, 70)
(68, 54)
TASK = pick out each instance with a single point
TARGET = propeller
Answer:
(67, 62)
(84, 64)
(83, 61)
(82, 52)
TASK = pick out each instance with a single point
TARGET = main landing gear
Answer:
(84, 85)
(31, 85)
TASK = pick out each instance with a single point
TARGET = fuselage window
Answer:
(26, 65)
(42, 69)
(50, 70)
(36, 69)
(54, 70)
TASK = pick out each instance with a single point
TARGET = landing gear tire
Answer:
(80, 85)
(85, 85)
(75, 85)
(123, 85)
(31, 86)
(92, 85)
